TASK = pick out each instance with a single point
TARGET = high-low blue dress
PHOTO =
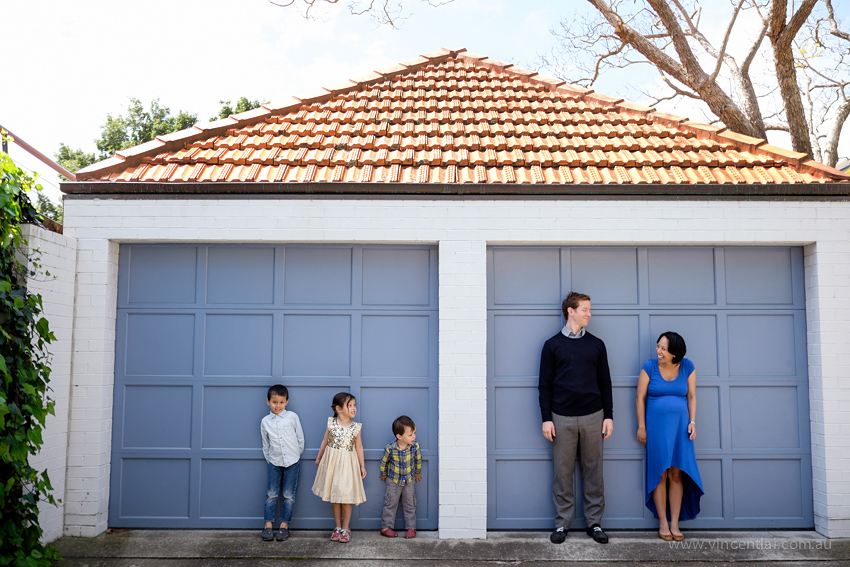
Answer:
(667, 443)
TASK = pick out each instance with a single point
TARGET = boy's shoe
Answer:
(388, 532)
(268, 534)
(282, 534)
(335, 535)
(558, 536)
(595, 531)
(344, 536)
(410, 534)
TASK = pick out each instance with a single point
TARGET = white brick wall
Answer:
(463, 229)
(58, 257)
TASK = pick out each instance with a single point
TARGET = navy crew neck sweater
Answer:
(574, 377)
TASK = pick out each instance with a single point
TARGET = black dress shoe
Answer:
(597, 534)
(558, 536)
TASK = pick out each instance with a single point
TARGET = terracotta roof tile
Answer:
(452, 117)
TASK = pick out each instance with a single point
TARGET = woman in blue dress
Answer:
(666, 411)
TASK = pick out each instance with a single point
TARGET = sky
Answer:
(66, 65)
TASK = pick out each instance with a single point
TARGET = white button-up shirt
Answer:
(283, 440)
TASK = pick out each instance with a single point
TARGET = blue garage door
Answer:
(742, 314)
(204, 330)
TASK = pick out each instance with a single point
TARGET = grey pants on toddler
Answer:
(407, 495)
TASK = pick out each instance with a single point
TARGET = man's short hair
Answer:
(400, 423)
(278, 390)
(572, 301)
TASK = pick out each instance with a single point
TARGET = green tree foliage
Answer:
(49, 209)
(140, 126)
(24, 375)
(73, 160)
(242, 105)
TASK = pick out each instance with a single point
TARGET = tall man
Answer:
(577, 409)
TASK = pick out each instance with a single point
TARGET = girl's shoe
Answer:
(344, 536)
(336, 534)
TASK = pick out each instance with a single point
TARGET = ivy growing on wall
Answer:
(24, 371)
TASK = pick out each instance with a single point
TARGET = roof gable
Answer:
(453, 117)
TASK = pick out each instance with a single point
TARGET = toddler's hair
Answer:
(400, 423)
(340, 400)
(278, 390)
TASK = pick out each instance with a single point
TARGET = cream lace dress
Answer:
(338, 478)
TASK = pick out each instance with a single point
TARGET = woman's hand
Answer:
(692, 431)
(641, 435)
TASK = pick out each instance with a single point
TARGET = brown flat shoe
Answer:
(665, 537)
(680, 537)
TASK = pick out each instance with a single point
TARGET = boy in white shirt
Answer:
(283, 443)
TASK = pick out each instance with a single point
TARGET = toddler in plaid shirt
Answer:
(402, 465)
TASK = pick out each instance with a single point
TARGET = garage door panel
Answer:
(680, 276)
(395, 346)
(316, 345)
(611, 274)
(527, 276)
(157, 417)
(243, 498)
(159, 344)
(194, 364)
(621, 334)
(312, 403)
(762, 345)
(160, 274)
(742, 314)
(243, 427)
(155, 488)
(627, 475)
(711, 503)
(396, 276)
(379, 407)
(517, 419)
(700, 334)
(756, 423)
(625, 418)
(239, 275)
(759, 276)
(317, 275)
(767, 488)
(523, 504)
(518, 340)
(238, 345)
(709, 418)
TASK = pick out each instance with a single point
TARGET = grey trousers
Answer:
(585, 433)
(407, 494)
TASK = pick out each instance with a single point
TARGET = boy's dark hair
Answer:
(572, 300)
(340, 400)
(675, 345)
(278, 390)
(400, 423)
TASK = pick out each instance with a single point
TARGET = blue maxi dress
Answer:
(667, 443)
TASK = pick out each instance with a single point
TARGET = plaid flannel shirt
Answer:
(399, 465)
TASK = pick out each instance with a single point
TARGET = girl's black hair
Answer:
(675, 345)
(340, 400)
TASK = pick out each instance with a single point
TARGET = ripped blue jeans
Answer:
(288, 478)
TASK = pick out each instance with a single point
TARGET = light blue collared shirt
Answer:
(283, 440)
(570, 335)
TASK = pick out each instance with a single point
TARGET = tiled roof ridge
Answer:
(176, 141)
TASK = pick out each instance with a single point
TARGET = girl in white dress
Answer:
(342, 469)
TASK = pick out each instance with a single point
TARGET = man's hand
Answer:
(549, 431)
(607, 428)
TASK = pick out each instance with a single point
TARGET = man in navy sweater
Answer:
(576, 404)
